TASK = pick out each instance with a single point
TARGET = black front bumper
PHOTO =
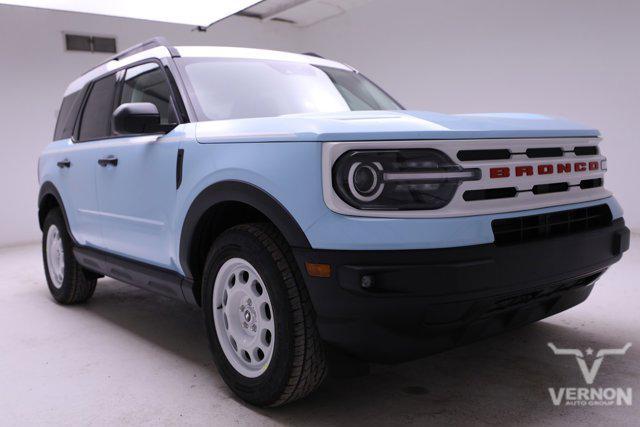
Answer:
(424, 301)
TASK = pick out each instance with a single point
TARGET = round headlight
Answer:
(365, 180)
(404, 179)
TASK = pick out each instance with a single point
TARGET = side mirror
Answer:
(137, 118)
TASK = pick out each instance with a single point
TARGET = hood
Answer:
(388, 125)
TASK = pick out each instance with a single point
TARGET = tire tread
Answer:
(80, 285)
(309, 367)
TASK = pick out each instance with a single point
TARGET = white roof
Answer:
(201, 52)
(247, 53)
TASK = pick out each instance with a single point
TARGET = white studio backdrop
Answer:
(35, 71)
(572, 58)
(191, 12)
(575, 58)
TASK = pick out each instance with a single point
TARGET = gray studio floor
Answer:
(132, 357)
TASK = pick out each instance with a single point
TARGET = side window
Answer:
(96, 117)
(67, 115)
(147, 83)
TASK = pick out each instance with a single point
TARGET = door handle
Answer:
(106, 161)
(64, 164)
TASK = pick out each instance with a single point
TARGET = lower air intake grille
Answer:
(535, 227)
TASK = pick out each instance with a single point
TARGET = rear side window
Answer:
(96, 117)
(67, 116)
(147, 83)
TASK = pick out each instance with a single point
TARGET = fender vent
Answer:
(536, 227)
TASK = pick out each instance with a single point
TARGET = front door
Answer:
(136, 181)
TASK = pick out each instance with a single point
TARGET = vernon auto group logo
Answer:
(590, 396)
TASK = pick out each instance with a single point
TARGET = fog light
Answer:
(367, 282)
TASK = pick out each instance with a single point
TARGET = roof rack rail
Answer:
(314, 54)
(141, 47)
(145, 45)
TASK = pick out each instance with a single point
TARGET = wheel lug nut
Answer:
(249, 301)
(253, 328)
(242, 308)
(244, 325)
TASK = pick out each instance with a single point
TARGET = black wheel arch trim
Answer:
(243, 192)
(49, 189)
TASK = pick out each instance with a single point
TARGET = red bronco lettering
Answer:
(544, 169)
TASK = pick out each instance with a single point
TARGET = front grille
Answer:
(557, 187)
(585, 151)
(535, 227)
(510, 192)
(475, 155)
(541, 293)
(591, 183)
(532, 153)
(537, 153)
(490, 194)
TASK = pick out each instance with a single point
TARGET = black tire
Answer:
(78, 284)
(298, 364)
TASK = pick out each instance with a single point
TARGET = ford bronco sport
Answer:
(303, 209)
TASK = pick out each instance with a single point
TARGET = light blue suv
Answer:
(310, 215)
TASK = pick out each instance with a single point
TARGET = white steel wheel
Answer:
(55, 256)
(243, 317)
(67, 281)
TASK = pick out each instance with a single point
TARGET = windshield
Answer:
(223, 88)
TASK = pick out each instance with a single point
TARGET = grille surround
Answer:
(458, 206)
(529, 228)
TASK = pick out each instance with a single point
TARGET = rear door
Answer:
(77, 165)
(137, 195)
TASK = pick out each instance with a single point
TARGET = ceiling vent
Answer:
(90, 43)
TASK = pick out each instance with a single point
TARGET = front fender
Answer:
(281, 180)
(238, 191)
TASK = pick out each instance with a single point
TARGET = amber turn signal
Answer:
(318, 270)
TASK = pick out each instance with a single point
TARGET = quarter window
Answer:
(147, 83)
(68, 115)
